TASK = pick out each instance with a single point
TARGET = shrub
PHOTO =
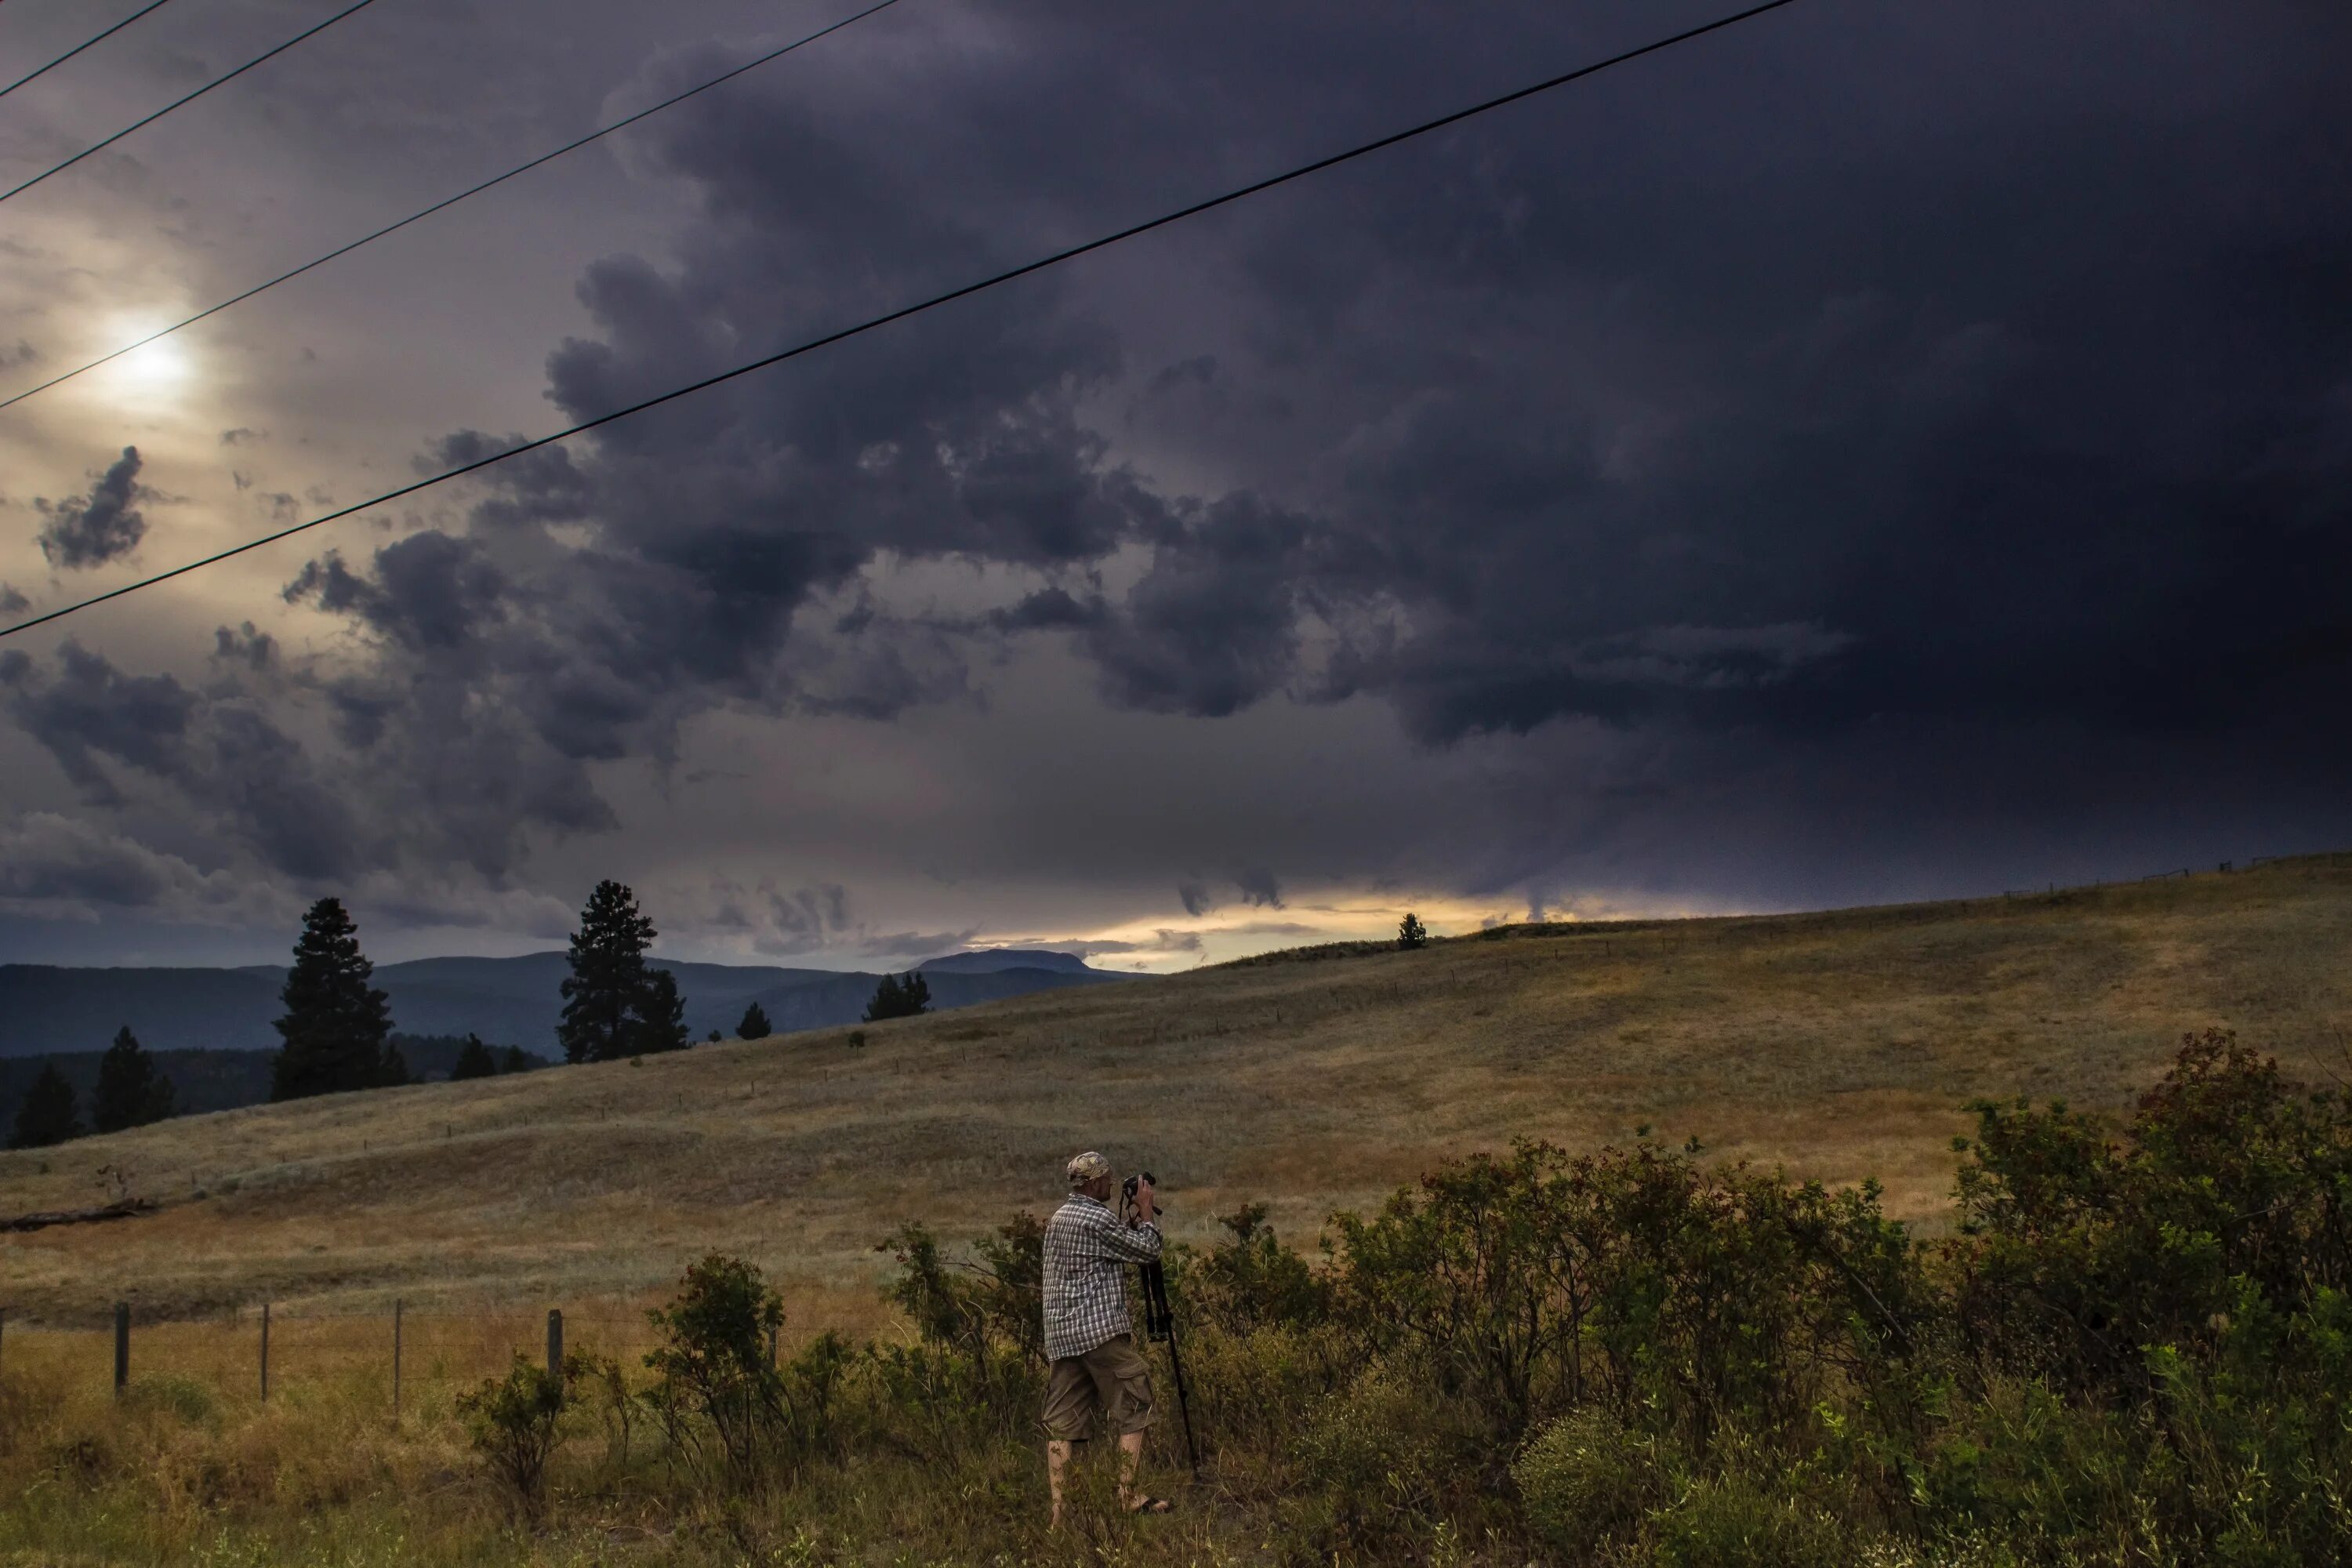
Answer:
(2078, 1249)
(1250, 1280)
(516, 1423)
(183, 1399)
(1537, 1283)
(718, 1395)
(1733, 1520)
(1368, 1473)
(1587, 1483)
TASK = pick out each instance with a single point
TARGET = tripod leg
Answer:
(1183, 1404)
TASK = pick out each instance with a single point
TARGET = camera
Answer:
(1126, 1191)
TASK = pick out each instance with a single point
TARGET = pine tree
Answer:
(896, 998)
(130, 1092)
(608, 976)
(1411, 932)
(393, 1072)
(514, 1059)
(46, 1114)
(754, 1026)
(474, 1060)
(336, 1024)
(657, 1017)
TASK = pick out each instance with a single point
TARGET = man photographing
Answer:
(1098, 1375)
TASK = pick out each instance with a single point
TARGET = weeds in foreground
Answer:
(2137, 1349)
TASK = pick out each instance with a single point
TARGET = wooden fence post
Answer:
(395, 1360)
(265, 1353)
(555, 1344)
(121, 1347)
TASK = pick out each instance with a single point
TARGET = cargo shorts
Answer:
(1110, 1380)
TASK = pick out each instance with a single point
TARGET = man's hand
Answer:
(1144, 1207)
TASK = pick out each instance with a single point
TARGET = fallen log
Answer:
(124, 1208)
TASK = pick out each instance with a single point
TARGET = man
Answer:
(1098, 1372)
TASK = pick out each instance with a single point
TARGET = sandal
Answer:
(1153, 1505)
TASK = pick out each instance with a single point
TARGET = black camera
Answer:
(1127, 1192)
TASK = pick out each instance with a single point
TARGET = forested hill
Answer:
(47, 1009)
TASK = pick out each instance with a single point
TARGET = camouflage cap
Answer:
(1086, 1167)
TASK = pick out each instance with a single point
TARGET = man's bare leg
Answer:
(1130, 1459)
(1057, 1459)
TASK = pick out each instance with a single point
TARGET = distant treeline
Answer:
(204, 1082)
(338, 1036)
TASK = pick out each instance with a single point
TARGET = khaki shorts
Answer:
(1110, 1379)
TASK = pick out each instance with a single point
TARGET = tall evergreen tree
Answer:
(754, 1026)
(130, 1092)
(46, 1114)
(1411, 932)
(614, 1003)
(474, 1060)
(897, 998)
(657, 1020)
(514, 1059)
(336, 1024)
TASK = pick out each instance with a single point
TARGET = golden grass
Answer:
(1842, 1044)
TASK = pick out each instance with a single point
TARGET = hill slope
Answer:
(1843, 1044)
(47, 1009)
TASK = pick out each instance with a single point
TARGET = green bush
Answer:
(1735, 1520)
(1368, 1470)
(183, 1399)
(516, 1424)
(1588, 1484)
(718, 1395)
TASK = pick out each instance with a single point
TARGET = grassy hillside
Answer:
(1843, 1044)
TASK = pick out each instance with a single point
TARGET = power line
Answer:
(187, 99)
(150, 6)
(571, 146)
(900, 314)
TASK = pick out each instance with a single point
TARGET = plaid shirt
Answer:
(1088, 1250)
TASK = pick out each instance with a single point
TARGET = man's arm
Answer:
(1127, 1243)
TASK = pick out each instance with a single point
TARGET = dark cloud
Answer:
(1758, 404)
(1259, 888)
(12, 601)
(1856, 428)
(101, 526)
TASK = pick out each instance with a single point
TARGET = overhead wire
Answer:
(187, 98)
(1009, 275)
(150, 6)
(571, 146)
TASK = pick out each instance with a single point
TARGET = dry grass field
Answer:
(1842, 1044)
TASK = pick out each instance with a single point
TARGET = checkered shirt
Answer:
(1088, 1249)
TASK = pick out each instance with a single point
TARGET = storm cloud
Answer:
(104, 525)
(1933, 427)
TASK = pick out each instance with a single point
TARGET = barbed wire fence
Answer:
(409, 1359)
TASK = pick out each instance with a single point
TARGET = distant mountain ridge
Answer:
(47, 1008)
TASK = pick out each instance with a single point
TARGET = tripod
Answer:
(1160, 1323)
(1160, 1327)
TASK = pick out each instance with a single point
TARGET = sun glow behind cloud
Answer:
(1160, 947)
(157, 372)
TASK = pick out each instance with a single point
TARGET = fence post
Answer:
(265, 1353)
(395, 1360)
(555, 1344)
(121, 1347)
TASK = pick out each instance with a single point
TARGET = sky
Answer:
(1875, 452)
